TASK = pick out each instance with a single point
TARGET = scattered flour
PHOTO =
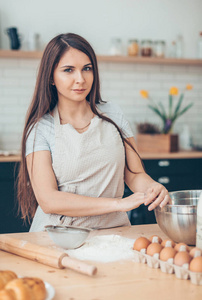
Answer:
(104, 248)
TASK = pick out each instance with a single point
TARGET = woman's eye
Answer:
(87, 69)
(68, 70)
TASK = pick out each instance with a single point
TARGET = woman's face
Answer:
(73, 76)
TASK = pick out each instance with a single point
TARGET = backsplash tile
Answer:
(120, 83)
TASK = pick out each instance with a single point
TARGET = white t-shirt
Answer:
(44, 137)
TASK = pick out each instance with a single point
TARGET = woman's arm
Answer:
(139, 181)
(51, 200)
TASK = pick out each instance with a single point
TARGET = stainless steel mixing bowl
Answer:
(178, 220)
(68, 237)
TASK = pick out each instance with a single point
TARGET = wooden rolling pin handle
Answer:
(79, 266)
(47, 256)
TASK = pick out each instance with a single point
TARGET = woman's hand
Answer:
(131, 202)
(156, 194)
(137, 180)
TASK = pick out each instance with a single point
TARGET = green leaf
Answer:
(183, 111)
(178, 105)
(153, 103)
(155, 109)
(170, 105)
(163, 110)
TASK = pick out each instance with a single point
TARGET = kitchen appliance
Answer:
(14, 38)
(178, 220)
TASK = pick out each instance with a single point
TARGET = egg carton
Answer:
(168, 266)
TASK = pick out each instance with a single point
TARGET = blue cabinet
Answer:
(10, 221)
(174, 174)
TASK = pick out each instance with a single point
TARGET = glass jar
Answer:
(146, 48)
(133, 47)
(179, 46)
(159, 48)
(200, 46)
(116, 47)
(173, 49)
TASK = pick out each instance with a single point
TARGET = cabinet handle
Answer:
(164, 163)
(164, 180)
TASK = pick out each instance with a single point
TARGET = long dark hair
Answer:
(45, 99)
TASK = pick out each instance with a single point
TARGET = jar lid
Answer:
(133, 41)
(116, 39)
(160, 42)
(146, 41)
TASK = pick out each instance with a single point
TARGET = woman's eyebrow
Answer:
(68, 66)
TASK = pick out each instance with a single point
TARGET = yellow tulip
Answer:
(189, 87)
(144, 94)
(174, 91)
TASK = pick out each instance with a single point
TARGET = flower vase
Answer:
(157, 143)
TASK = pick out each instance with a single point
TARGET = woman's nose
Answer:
(79, 77)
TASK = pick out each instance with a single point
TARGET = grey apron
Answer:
(90, 164)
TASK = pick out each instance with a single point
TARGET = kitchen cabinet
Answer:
(174, 174)
(176, 171)
(9, 220)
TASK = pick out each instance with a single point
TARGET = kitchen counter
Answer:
(113, 281)
(10, 158)
(149, 155)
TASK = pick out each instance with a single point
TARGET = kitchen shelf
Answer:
(108, 58)
(20, 54)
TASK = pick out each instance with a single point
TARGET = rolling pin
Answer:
(47, 256)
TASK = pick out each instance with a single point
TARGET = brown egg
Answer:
(141, 243)
(196, 264)
(164, 242)
(154, 248)
(177, 246)
(167, 253)
(194, 250)
(181, 258)
(155, 236)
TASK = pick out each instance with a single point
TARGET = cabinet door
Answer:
(176, 174)
(10, 222)
(141, 215)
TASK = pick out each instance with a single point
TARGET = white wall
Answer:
(99, 21)
(120, 83)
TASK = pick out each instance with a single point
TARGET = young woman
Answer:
(78, 150)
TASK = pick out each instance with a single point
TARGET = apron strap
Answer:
(56, 115)
(57, 125)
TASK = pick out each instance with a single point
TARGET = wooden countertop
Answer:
(173, 155)
(113, 281)
(10, 158)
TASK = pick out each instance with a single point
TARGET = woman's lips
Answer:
(79, 91)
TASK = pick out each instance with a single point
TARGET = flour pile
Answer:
(104, 248)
